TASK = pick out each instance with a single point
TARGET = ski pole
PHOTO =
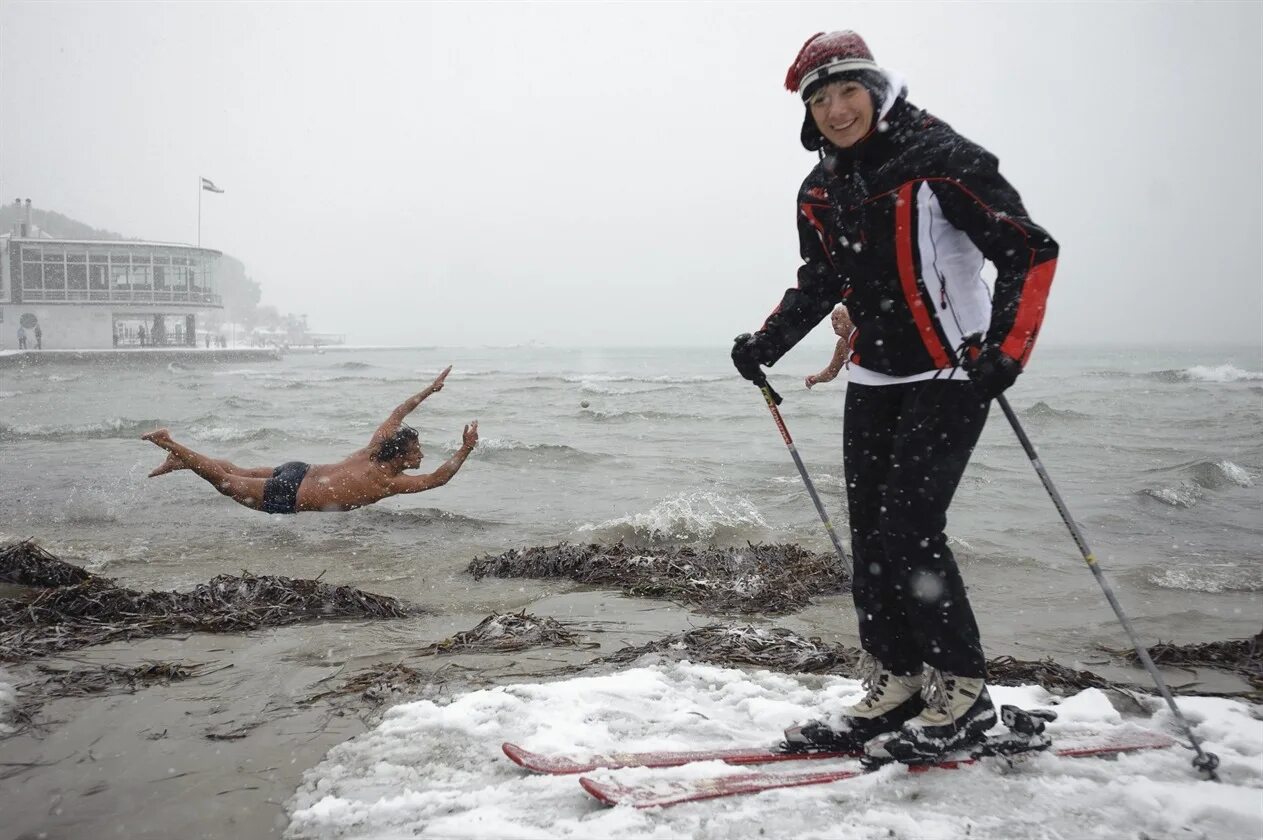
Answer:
(773, 400)
(1206, 762)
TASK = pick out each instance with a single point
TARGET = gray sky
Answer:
(583, 173)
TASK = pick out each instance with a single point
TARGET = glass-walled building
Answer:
(95, 294)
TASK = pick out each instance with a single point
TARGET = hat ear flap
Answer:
(812, 139)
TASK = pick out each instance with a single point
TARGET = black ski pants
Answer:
(905, 450)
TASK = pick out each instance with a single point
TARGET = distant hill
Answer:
(55, 224)
(241, 294)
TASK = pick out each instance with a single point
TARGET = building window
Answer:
(97, 277)
(30, 254)
(54, 275)
(76, 276)
(140, 276)
(32, 276)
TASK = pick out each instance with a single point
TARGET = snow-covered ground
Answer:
(8, 698)
(431, 770)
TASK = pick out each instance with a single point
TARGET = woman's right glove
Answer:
(749, 350)
(992, 370)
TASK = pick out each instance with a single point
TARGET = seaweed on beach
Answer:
(779, 649)
(504, 632)
(1238, 656)
(1054, 677)
(767, 579)
(27, 564)
(97, 611)
(383, 684)
(774, 648)
(99, 680)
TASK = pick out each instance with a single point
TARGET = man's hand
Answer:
(470, 437)
(748, 351)
(991, 370)
(817, 378)
(437, 384)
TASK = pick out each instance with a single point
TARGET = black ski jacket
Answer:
(897, 227)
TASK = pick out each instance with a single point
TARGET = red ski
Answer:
(664, 792)
(569, 764)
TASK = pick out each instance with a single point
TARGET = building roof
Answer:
(98, 243)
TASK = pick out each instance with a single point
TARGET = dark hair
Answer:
(395, 445)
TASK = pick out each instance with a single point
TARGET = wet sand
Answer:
(218, 756)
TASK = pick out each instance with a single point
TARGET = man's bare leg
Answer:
(246, 490)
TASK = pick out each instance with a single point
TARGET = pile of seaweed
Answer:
(27, 564)
(774, 648)
(96, 610)
(504, 632)
(779, 649)
(1238, 656)
(767, 579)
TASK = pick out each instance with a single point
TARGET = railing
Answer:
(121, 296)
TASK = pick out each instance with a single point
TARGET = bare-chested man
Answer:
(366, 476)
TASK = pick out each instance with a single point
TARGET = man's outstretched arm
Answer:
(405, 483)
(391, 423)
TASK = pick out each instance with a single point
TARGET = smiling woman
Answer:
(895, 222)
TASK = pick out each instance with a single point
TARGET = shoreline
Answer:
(131, 356)
(220, 755)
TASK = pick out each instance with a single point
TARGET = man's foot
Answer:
(172, 464)
(161, 437)
(891, 700)
(958, 712)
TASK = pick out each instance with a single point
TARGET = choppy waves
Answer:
(687, 517)
(118, 427)
(516, 452)
(1196, 479)
(1220, 374)
(1043, 411)
(1209, 578)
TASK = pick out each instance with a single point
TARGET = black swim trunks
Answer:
(280, 493)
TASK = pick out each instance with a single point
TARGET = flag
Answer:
(208, 184)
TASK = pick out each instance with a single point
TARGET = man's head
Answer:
(842, 87)
(403, 449)
(841, 321)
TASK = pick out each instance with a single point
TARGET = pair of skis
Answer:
(663, 792)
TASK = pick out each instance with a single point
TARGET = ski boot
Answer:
(957, 714)
(890, 700)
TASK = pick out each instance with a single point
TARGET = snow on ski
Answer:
(663, 792)
(570, 764)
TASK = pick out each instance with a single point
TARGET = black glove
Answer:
(991, 370)
(748, 352)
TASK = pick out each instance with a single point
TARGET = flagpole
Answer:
(199, 211)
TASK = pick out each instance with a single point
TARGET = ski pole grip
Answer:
(769, 391)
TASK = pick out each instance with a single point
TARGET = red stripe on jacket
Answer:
(908, 277)
(1030, 312)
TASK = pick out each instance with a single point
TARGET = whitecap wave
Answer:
(700, 515)
(1223, 578)
(1186, 494)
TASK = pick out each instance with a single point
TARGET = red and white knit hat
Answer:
(826, 55)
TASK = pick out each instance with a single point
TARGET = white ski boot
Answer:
(957, 714)
(890, 701)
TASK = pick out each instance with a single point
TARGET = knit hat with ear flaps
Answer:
(830, 57)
